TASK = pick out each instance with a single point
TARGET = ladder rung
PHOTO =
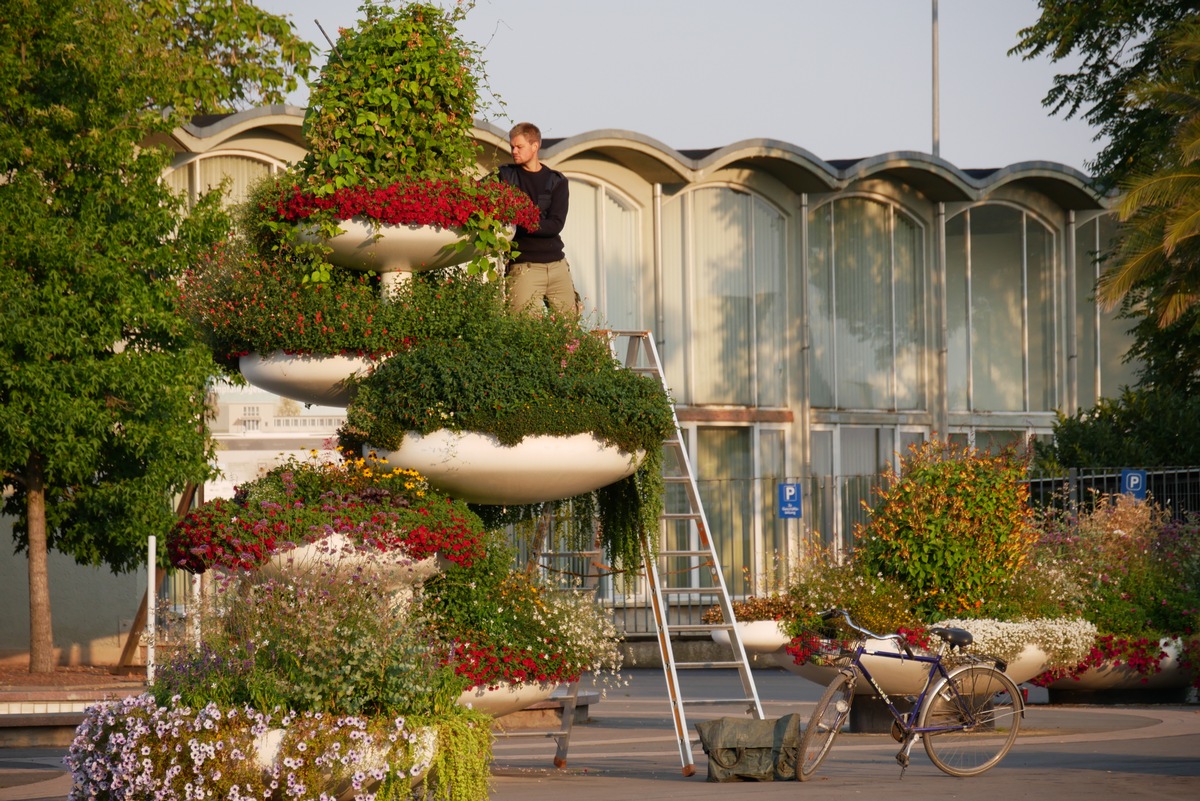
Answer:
(701, 626)
(695, 590)
(681, 516)
(706, 665)
(677, 479)
(715, 701)
(704, 552)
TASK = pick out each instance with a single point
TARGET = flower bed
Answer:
(138, 749)
(275, 513)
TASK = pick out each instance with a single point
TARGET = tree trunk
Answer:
(41, 635)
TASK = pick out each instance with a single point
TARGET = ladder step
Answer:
(716, 701)
(706, 665)
(701, 627)
(681, 516)
(685, 553)
(692, 590)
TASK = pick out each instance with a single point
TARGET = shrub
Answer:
(1133, 570)
(953, 527)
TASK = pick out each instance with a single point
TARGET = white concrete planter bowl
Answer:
(1027, 664)
(505, 699)
(319, 380)
(758, 636)
(1122, 677)
(899, 676)
(393, 251)
(476, 468)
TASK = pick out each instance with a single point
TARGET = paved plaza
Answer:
(628, 751)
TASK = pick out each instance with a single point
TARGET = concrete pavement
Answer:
(628, 751)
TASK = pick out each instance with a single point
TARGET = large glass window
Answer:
(1102, 337)
(1000, 305)
(724, 296)
(866, 307)
(207, 173)
(603, 247)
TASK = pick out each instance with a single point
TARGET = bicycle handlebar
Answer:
(830, 614)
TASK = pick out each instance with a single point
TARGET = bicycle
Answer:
(967, 714)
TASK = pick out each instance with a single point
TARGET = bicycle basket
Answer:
(817, 648)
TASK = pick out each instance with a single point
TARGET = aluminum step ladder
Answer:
(640, 355)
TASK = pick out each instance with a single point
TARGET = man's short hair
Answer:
(531, 132)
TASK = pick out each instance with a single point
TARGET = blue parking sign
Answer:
(1133, 482)
(789, 500)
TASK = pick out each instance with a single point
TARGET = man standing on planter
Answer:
(540, 275)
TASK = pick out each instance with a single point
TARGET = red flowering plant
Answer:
(301, 502)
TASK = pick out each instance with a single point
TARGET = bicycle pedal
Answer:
(902, 758)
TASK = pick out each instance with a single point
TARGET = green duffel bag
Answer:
(748, 750)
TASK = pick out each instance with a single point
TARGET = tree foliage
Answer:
(1159, 247)
(1119, 44)
(1145, 427)
(102, 385)
(1137, 82)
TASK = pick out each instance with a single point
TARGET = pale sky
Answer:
(840, 78)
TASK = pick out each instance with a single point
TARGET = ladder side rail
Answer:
(667, 654)
(693, 490)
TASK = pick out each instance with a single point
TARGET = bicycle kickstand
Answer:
(902, 754)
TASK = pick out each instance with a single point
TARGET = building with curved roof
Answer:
(815, 317)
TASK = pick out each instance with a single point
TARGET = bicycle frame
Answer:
(908, 720)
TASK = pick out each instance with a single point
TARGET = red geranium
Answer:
(447, 204)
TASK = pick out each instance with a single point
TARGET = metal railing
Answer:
(1176, 489)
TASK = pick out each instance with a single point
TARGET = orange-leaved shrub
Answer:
(954, 527)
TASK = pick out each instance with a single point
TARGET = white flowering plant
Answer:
(136, 748)
(1064, 641)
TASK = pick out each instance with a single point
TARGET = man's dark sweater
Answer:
(548, 189)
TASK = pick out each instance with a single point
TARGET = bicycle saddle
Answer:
(955, 638)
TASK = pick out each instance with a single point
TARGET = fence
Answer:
(1174, 488)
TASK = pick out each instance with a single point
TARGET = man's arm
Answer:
(554, 218)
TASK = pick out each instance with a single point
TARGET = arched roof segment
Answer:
(644, 155)
(940, 180)
(793, 166)
(1065, 185)
(206, 132)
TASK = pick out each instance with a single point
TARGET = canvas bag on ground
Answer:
(744, 749)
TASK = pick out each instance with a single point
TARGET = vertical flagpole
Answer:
(937, 143)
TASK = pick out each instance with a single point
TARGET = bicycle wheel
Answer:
(981, 711)
(827, 720)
